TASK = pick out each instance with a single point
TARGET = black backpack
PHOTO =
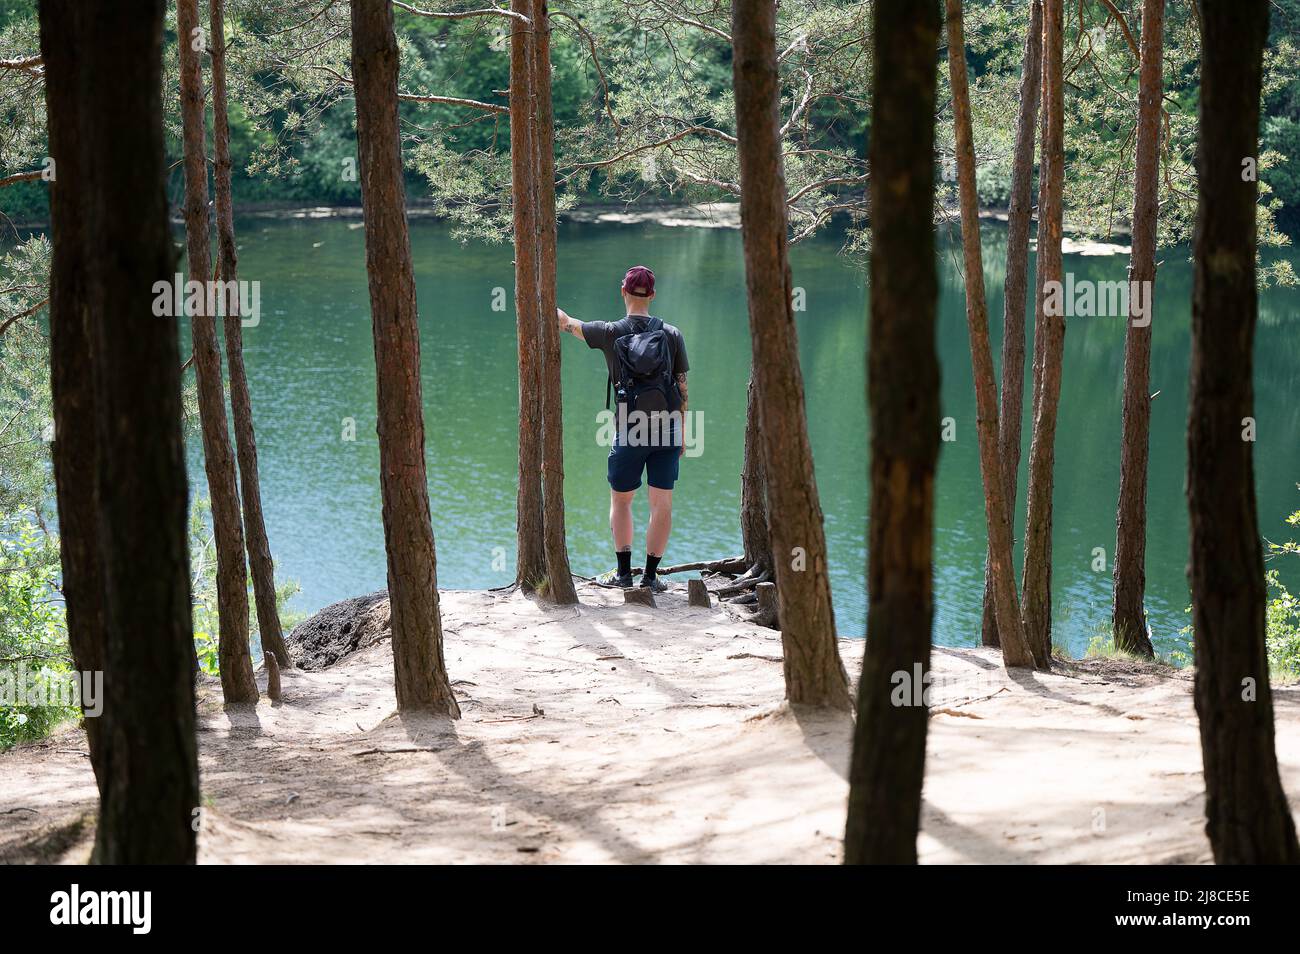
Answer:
(643, 370)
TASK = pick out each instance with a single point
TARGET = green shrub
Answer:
(1283, 630)
(34, 655)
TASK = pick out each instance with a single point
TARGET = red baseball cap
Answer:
(639, 282)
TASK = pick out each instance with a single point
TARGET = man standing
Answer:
(646, 359)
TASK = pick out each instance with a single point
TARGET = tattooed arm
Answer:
(572, 325)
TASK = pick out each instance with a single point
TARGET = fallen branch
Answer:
(708, 705)
(953, 712)
(966, 702)
(396, 751)
(743, 584)
(727, 565)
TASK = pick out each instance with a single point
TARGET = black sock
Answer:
(651, 565)
(624, 562)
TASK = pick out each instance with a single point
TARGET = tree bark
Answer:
(1049, 347)
(237, 682)
(1128, 620)
(530, 555)
(75, 453)
(559, 577)
(1016, 291)
(1015, 649)
(250, 485)
(753, 499)
(1248, 819)
(888, 762)
(814, 674)
(419, 670)
(107, 58)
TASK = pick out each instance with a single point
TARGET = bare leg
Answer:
(620, 518)
(661, 522)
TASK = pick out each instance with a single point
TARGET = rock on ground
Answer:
(338, 631)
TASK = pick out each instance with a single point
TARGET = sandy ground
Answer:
(624, 734)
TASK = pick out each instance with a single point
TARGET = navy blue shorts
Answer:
(626, 463)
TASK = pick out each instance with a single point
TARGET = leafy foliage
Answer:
(203, 590)
(33, 641)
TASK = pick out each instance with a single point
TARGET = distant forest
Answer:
(643, 109)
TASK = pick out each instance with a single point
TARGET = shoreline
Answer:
(705, 215)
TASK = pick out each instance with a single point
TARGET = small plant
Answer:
(1282, 635)
(1281, 617)
(203, 587)
(1102, 645)
(34, 659)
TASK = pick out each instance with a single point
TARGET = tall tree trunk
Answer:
(1015, 288)
(559, 578)
(814, 674)
(1248, 819)
(72, 383)
(237, 682)
(107, 58)
(250, 485)
(530, 556)
(888, 762)
(420, 673)
(1128, 620)
(753, 497)
(1049, 348)
(1015, 649)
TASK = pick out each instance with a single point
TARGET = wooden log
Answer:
(639, 595)
(272, 676)
(697, 594)
(730, 565)
(766, 614)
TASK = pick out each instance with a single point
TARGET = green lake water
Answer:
(311, 367)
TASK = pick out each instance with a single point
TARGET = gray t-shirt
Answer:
(602, 335)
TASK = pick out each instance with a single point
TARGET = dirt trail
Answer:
(621, 734)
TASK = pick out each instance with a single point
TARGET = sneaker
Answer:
(612, 578)
(654, 584)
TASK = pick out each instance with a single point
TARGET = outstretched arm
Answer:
(681, 389)
(572, 325)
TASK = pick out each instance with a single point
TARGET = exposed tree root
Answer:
(743, 583)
